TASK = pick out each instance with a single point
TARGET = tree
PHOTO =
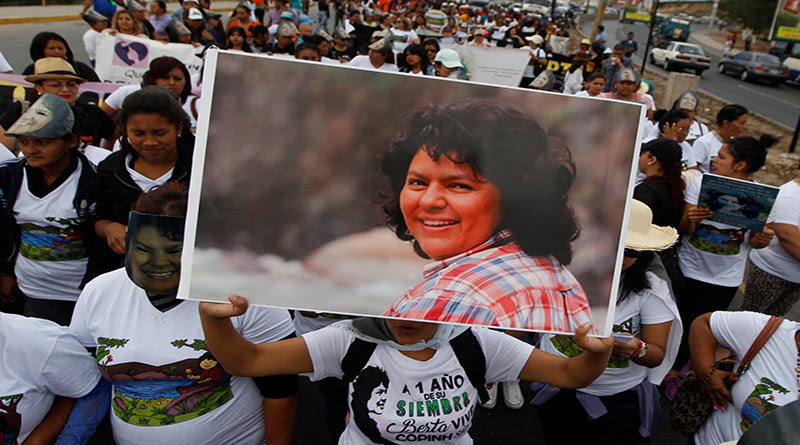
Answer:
(754, 14)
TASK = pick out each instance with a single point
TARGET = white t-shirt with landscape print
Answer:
(715, 253)
(166, 388)
(52, 253)
(398, 399)
(771, 381)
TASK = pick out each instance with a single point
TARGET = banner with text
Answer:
(787, 21)
(497, 66)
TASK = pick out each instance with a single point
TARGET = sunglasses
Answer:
(630, 253)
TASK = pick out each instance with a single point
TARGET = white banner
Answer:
(496, 66)
(125, 59)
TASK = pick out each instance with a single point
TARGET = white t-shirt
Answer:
(429, 401)
(696, 130)
(687, 155)
(538, 53)
(115, 100)
(774, 259)
(583, 93)
(715, 253)
(89, 43)
(94, 154)
(52, 254)
(157, 361)
(145, 183)
(770, 382)
(638, 308)
(363, 62)
(401, 39)
(705, 149)
(39, 360)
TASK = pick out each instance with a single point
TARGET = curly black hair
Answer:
(532, 172)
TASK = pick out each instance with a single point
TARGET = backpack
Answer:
(465, 346)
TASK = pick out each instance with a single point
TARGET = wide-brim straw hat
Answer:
(53, 68)
(642, 234)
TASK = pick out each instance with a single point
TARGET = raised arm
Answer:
(243, 358)
(576, 372)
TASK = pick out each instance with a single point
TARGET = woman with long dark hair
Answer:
(484, 228)
(416, 61)
(713, 255)
(647, 331)
(167, 72)
(50, 44)
(151, 123)
(662, 188)
(237, 40)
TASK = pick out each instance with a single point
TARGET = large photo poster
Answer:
(347, 191)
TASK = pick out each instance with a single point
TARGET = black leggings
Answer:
(695, 298)
(564, 420)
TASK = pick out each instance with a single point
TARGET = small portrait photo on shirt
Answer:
(362, 192)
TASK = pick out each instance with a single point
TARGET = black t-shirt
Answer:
(657, 196)
(289, 49)
(95, 124)
(335, 54)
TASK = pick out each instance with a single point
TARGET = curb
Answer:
(24, 20)
(62, 18)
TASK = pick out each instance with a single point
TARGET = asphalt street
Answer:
(781, 104)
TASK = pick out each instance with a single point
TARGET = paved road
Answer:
(781, 104)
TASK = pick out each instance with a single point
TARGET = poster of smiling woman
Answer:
(347, 191)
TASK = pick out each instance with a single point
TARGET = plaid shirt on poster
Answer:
(497, 284)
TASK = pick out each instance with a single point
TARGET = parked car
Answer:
(678, 55)
(751, 66)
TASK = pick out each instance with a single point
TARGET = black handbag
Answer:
(691, 406)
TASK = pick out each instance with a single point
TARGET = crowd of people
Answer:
(93, 201)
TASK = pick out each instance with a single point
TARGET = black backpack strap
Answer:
(470, 355)
(357, 356)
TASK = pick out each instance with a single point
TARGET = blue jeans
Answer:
(322, 21)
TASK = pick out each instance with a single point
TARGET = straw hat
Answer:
(53, 68)
(642, 234)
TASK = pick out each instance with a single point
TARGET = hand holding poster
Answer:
(124, 59)
(299, 192)
(737, 203)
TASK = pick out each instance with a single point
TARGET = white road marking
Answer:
(770, 96)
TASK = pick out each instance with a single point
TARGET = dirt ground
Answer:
(781, 166)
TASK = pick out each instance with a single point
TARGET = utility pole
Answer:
(653, 17)
(713, 16)
(601, 12)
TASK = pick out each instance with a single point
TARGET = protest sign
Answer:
(286, 205)
(637, 11)
(497, 66)
(737, 203)
(124, 59)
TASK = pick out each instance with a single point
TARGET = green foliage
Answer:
(112, 342)
(755, 14)
(169, 371)
(197, 344)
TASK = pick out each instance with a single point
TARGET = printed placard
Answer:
(287, 198)
(737, 203)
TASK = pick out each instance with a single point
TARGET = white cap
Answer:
(194, 14)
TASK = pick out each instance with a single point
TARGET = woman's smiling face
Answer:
(447, 208)
(155, 260)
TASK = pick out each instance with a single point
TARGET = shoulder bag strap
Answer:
(772, 326)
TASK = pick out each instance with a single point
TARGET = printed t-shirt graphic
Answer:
(155, 395)
(10, 419)
(759, 402)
